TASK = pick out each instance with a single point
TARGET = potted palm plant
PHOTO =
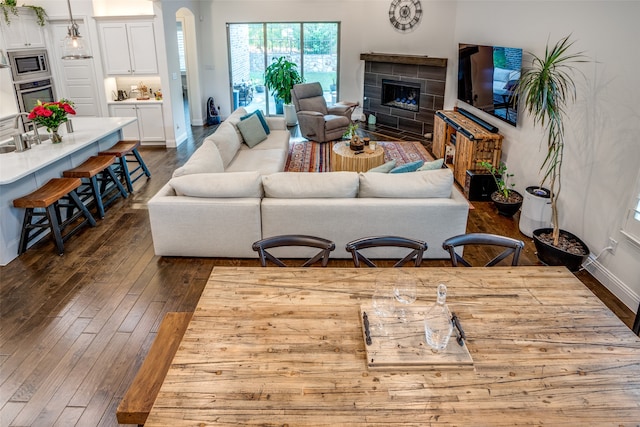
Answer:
(505, 198)
(279, 78)
(545, 89)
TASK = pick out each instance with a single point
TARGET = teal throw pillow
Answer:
(408, 167)
(263, 122)
(252, 131)
(429, 166)
(384, 168)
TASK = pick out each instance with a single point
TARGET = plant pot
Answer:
(279, 106)
(290, 116)
(507, 208)
(536, 210)
(552, 255)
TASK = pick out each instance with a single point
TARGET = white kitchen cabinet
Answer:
(23, 30)
(148, 128)
(128, 48)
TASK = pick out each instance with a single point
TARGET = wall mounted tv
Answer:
(486, 78)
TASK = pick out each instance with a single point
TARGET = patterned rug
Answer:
(307, 156)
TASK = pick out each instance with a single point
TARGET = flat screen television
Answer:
(486, 78)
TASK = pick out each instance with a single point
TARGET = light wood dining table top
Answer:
(284, 346)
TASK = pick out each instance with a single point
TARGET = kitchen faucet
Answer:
(24, 143)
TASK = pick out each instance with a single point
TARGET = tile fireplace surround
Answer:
(429, 73)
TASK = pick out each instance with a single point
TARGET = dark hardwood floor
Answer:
(74, 329)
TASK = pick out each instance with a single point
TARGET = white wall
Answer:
(602, 154)
(364, 28)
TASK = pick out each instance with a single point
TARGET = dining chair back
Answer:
(325, 246)
(511, 246)
(418, 248)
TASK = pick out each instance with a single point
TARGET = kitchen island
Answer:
(23, 172)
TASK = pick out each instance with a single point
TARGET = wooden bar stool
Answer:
(58, 192)
(123, 150)
(98, 182)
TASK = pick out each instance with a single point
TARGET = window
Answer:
(180, 34)
(631, 224)
(313, 46)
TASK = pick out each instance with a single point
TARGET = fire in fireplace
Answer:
(399, 94)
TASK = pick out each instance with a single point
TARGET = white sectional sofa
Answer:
(204, 211)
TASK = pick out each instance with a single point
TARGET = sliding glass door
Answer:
(252, 46)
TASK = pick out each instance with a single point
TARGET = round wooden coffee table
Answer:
(344, 158)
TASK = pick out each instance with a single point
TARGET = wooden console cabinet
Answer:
(471, 143)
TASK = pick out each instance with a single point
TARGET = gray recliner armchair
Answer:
(318, 122)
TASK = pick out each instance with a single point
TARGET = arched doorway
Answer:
(187, 50)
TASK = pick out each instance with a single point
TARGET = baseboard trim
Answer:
(612, 283)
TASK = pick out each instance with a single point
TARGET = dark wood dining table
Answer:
(284, 346)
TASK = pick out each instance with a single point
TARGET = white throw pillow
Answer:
(219, 185)
(252, 131)
(226, 138)
(429, 166)
(205, 159)
(305, 185)
(416, 185)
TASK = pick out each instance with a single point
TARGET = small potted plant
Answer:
(507, 200)
(279, 78)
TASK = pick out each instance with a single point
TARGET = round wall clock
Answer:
(405, 14)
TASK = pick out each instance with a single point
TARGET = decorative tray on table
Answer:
(403, 345)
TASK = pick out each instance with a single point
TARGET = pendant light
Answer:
(74, 46)
(3, 60)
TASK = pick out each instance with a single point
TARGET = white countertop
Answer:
(137, 101)
(87, 130)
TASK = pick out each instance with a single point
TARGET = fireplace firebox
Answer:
(424, 80)
(400, 94)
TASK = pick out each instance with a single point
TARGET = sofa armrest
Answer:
(276, 123)
(204, 227)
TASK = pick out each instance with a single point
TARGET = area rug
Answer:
(308, 156)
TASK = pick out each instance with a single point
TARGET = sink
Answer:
(7, 149)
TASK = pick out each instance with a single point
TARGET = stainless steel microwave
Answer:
(27, 65)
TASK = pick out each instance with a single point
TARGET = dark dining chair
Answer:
(636, 323)
(512, 246)
(325, 246)
(418, 248)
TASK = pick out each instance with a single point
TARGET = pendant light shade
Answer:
(3, 60)
(74, 46)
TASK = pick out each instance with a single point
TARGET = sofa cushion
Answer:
(429, 166)
(407, 167)
(263, 121)
(304, 185)
(264, 161)
(205, 159)
(227, 141)
(424, 184)
(219, 185)
(252, 131)
(384, 168)
(234, 118)
(276, 140)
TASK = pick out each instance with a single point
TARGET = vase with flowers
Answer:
(51, 115)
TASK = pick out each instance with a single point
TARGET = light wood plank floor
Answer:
(75, 329)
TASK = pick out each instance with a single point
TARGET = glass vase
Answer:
(56, 138)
